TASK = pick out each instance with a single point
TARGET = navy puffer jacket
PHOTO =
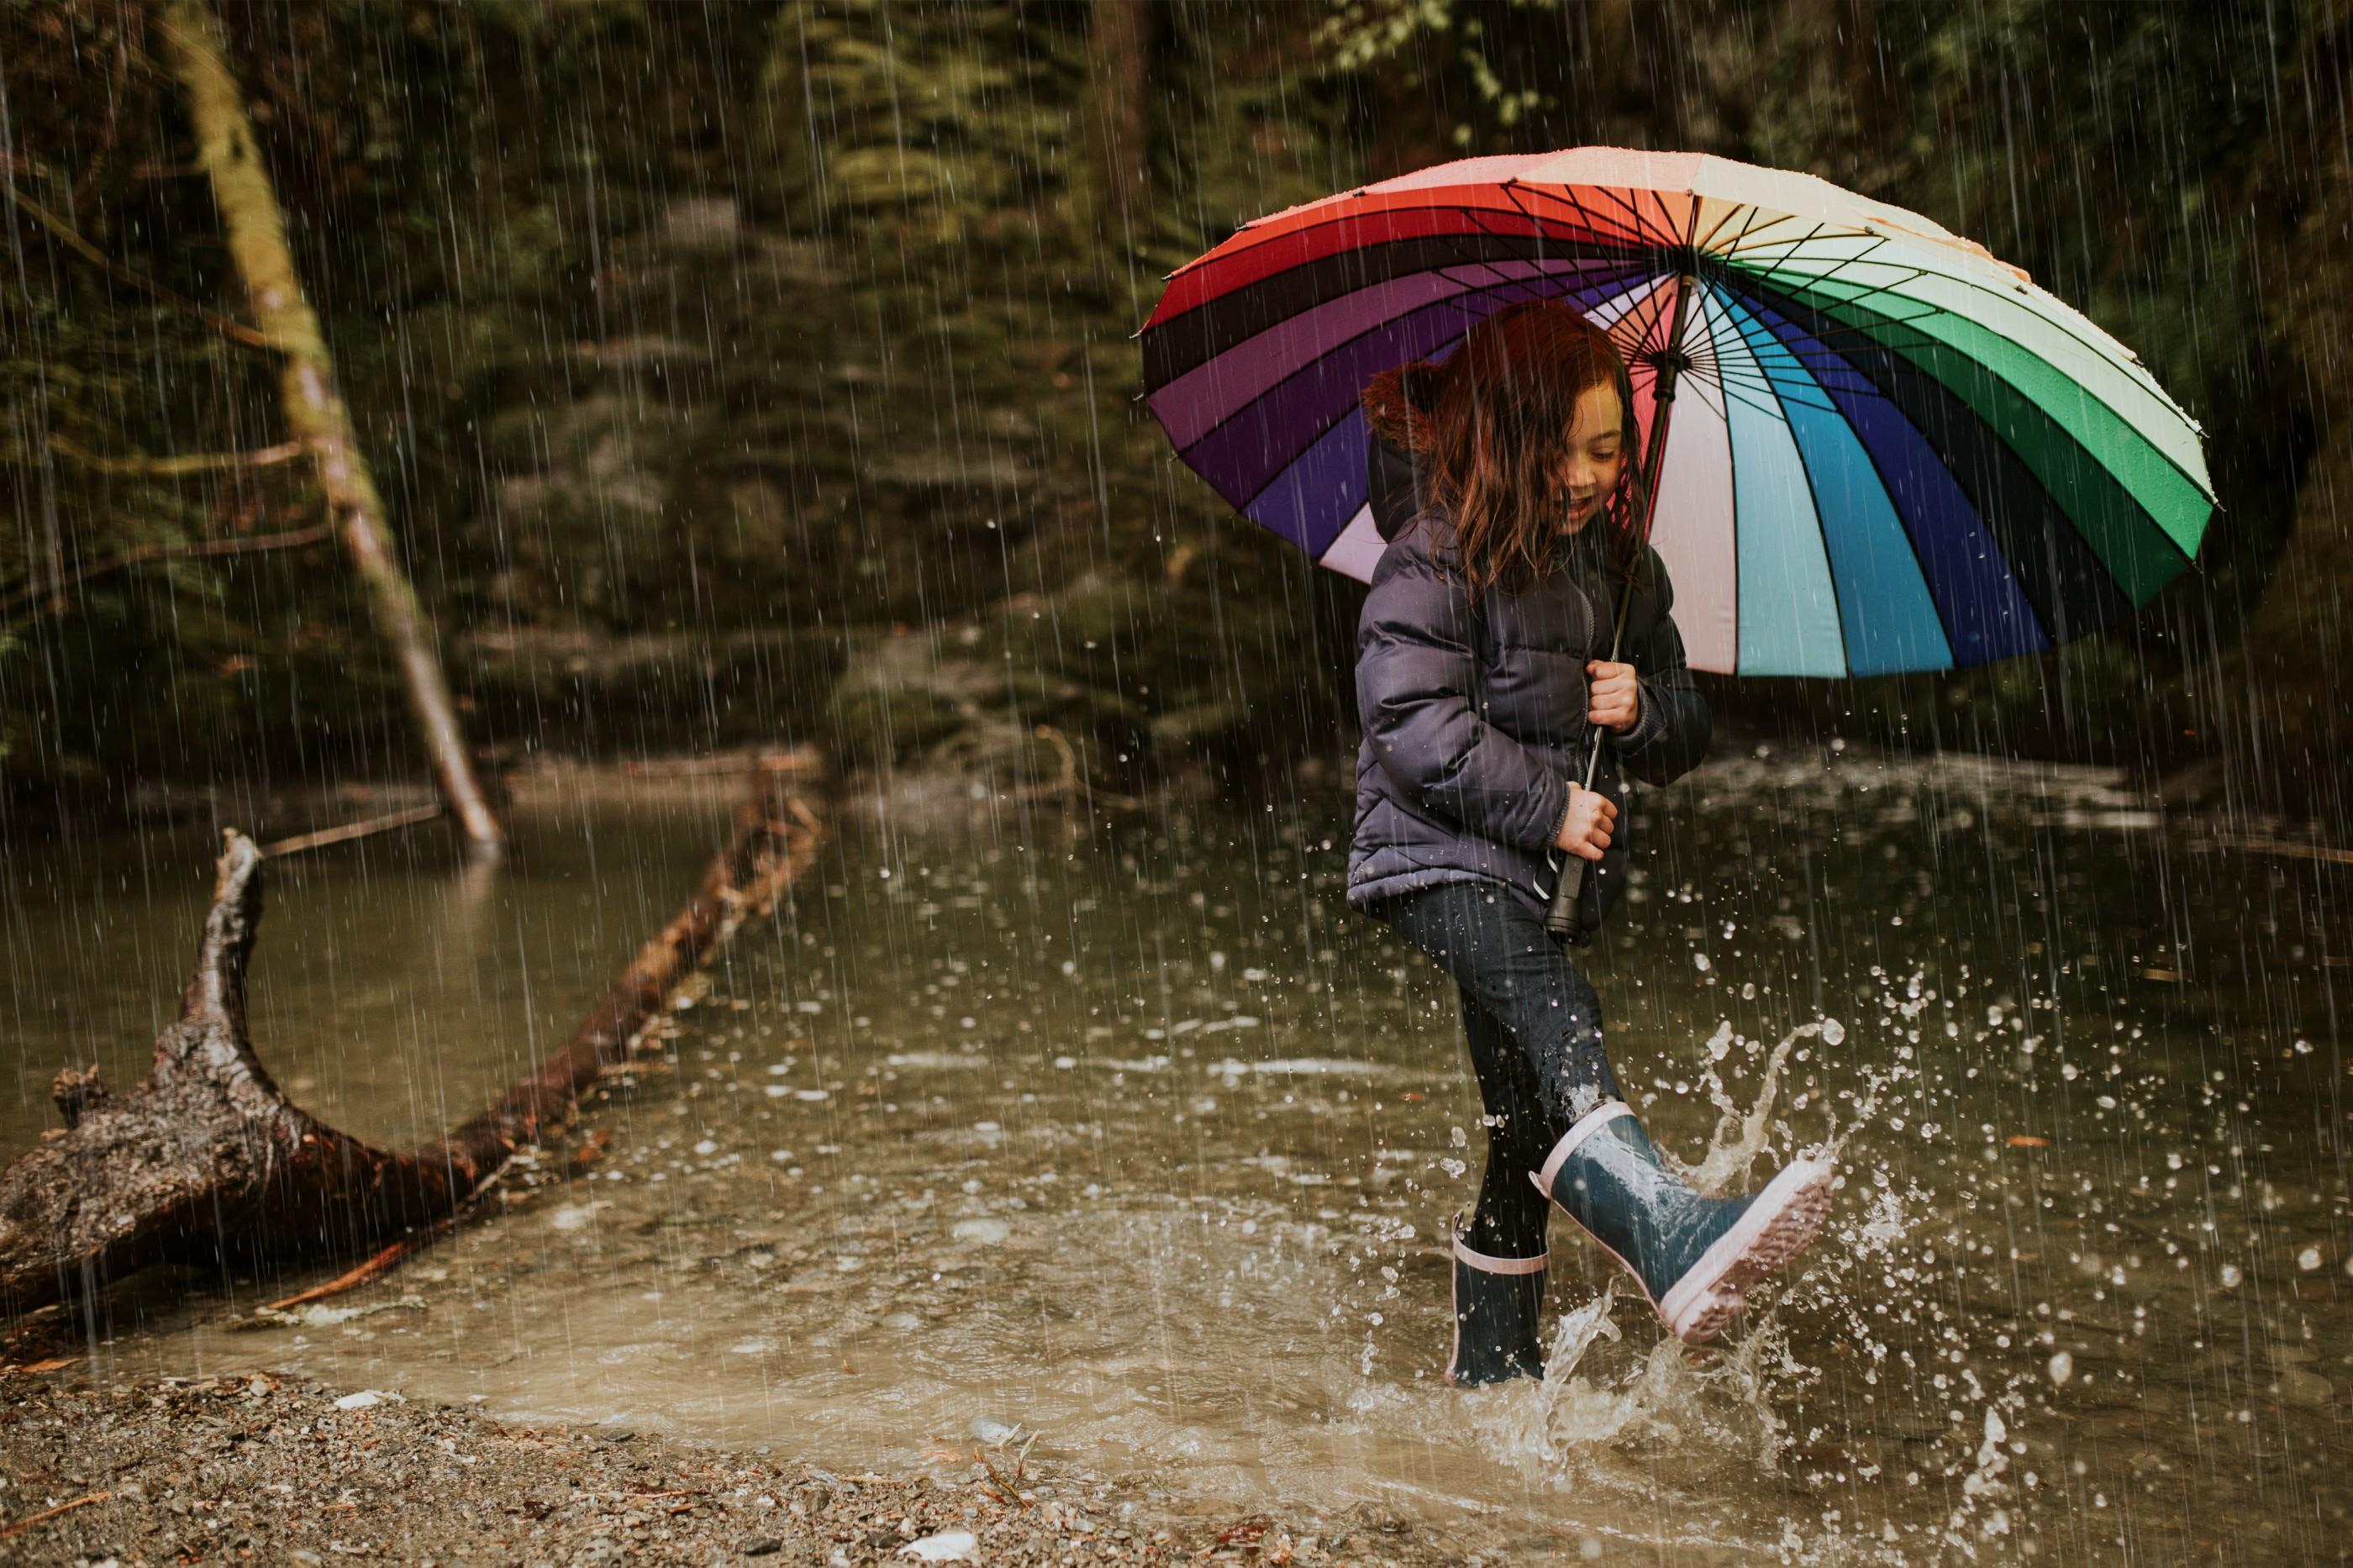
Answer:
(1474, 720)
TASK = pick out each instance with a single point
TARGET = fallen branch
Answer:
(1069, 781)
(316, 416)
(141, 465)
(2265, 844)
(1008, 1488)
(364, 829)
(352, 1279)
(207, 1163)
(47, 1514)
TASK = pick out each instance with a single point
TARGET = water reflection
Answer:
(1136, 1136)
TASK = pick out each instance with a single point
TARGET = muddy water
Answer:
(1135, 1138)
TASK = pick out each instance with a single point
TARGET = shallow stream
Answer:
(1128, 1133)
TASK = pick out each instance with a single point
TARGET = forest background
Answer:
(748, 371)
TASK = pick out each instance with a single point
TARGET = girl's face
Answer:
(1594, 458)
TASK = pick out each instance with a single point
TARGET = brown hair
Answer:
(1487, 429)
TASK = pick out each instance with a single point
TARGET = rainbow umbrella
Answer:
(1888, 450)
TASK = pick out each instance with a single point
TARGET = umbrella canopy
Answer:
(1889, 450)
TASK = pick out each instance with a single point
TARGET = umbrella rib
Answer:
(1480, 262)
(1632, 340)
(1792, 247)
(1511, 189)
(1567, 194)
(1633, 212)
(1789, 249)
(1750, 226)
(1654, 309)
(1751, 212)
(1710, 366)
(1736, 387)
(1911, 274)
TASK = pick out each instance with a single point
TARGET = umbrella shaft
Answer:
(1560, 919)
(1662, 401)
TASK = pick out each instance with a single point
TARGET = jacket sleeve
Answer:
(1415, 668)
(1673, 726)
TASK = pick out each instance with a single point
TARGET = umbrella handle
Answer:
(1562, 921)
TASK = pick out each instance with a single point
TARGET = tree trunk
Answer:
(2278, 698)
(1119, 126)
(314, 408)
(207, 1161)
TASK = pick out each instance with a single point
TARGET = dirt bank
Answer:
(264, 1470)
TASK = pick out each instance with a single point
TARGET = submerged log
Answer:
(209, 1162)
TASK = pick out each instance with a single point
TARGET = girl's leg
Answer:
(1499, 1257)
(1511, 1214)
(1548, 1014)
(1695, 1257)
(1533, 1030)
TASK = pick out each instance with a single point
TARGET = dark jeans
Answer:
(1533, 1025)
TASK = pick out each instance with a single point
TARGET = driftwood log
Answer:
(207, 1161)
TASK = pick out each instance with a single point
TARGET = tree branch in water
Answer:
(209, 1162)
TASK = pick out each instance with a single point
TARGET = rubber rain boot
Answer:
(1496, 1302)
(1695, 1257)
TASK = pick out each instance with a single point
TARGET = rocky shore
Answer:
(269, 1470)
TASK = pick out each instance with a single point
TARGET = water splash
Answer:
(1740, 1135)
(1591, 1399)
(1725, 1397)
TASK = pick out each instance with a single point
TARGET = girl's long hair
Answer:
(1489, 427)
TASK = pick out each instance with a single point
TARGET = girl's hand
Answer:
(1584, 831)
(1613, 697)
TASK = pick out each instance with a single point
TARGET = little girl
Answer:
(1481, 679)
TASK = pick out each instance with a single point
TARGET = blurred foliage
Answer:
(764, 368)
